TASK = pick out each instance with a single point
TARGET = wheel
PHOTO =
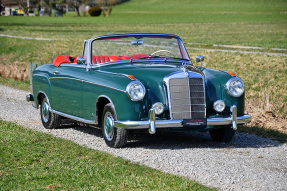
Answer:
(49, 120)
(114, 136)
(224, 134)
(152, 54)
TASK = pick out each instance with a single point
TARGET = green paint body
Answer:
(73, 90)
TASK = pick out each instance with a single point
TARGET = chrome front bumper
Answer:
(152, 123)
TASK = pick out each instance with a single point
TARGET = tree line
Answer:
(60, 5)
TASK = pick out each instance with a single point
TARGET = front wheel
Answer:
(114, 136)
(49, 119)
(224, 134)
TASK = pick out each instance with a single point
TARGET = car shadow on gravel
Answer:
(181, 140)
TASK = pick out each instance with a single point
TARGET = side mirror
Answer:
(199, 58)
(81, 60)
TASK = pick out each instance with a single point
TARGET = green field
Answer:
(30, 160)
(201, 24)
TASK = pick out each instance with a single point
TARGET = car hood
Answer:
(151, 75)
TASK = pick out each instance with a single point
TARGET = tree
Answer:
(23, 5)
(37, 4)
(76, 4)
(50, 5)
(107, 5)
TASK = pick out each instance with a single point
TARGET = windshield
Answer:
(139, 47)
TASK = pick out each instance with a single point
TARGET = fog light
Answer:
(219, 106)
(159, 108)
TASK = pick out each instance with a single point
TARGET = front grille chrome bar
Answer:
(186, 95)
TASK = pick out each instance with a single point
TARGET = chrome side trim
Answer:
(66, 78)
(73, 65)
(88, 82)
(105, 86)
(178, 123)
(73, 117)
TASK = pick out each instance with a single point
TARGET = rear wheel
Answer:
(115, 137)
(49, 119)
(224, 134)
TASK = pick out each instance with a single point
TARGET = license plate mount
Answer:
(199, 122)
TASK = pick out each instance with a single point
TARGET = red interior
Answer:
(64, 59)
(101, 59)
(96, 59)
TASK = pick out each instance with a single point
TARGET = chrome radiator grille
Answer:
(187, 98)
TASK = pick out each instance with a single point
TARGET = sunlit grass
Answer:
(25, 85)
(31, 160)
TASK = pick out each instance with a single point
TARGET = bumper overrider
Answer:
(152, 123)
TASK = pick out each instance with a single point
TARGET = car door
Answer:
(67, 90)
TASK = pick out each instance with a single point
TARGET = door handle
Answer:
(56, 73)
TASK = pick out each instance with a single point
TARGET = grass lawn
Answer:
(30, 160)
(201, 24)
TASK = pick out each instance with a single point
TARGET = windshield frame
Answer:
(181, 47)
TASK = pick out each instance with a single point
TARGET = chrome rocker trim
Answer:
(152, 123)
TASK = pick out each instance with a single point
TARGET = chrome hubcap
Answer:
(45, 111)
(109, 126)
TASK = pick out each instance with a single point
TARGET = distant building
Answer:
(11, 8)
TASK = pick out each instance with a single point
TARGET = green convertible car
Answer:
(138, 81)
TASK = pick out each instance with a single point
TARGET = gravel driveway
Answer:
(247, 163)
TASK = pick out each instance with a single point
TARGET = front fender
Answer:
(41, 85)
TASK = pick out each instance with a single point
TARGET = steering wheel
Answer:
(152, 54)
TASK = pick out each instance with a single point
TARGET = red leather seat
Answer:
(101, 59)
(61, 59)
(64, 59)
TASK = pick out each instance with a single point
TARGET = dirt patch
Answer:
(264, 117)
(15, 71)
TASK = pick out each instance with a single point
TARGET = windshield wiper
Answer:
(177, 58)
(150, 56)
(166, 57)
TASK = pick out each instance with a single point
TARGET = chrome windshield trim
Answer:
(181, 45)
(135, 34)
(73, 117)
(152, 60)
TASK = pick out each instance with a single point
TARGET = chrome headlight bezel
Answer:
(230, 87)
(132, 87)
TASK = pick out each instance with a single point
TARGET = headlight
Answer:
(158, 107)
(136, 91)
(235, 87)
